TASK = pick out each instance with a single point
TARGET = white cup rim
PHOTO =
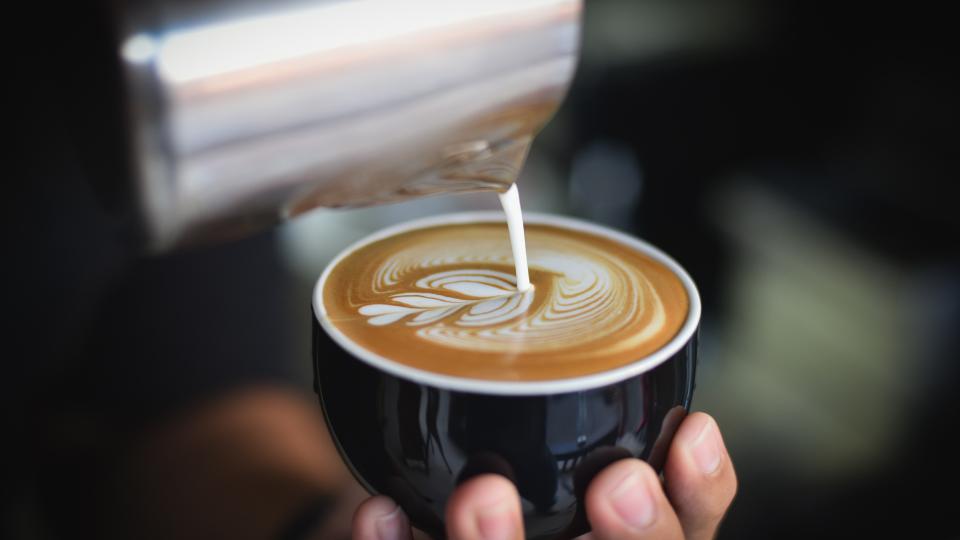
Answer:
(499, 387)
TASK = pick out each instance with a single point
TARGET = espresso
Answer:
(444, 299)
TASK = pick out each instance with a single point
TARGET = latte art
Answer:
(444, 299)
(492, 298)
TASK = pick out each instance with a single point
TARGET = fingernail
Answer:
(496, 521)
(391, 526)
(633, 501)
(705, 448)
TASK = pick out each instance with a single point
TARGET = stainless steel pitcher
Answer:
(243, 113)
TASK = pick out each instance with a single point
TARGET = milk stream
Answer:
(510, 200)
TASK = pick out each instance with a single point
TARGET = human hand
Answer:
(625, 501)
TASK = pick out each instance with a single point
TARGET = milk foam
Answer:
(588, 294)
(444, 299)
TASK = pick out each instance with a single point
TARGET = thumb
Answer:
(379, 518)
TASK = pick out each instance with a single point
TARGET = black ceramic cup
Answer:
(415, 435)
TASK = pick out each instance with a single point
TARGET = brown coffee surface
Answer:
(443, 299)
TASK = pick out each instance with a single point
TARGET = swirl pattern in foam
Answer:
(444, 299)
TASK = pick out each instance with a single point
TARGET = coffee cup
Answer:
(415, 434)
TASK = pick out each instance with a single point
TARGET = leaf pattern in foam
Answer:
(487, 290)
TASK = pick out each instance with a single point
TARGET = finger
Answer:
(699, 475)
(379, 518)
(625, 502)
(486, 507)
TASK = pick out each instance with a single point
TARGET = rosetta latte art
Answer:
(491, 299)
(588, 295)
(444, 299)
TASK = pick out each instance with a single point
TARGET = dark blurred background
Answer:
(799, 158)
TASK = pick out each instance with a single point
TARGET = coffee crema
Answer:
(444, 299)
